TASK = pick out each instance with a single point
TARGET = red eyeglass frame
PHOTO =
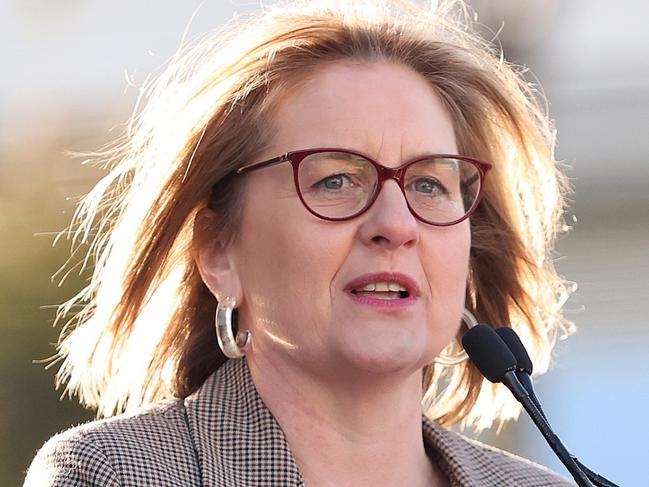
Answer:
(383, 174)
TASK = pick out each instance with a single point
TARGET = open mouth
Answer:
(382, 290)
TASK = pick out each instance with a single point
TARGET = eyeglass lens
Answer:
(340, 185)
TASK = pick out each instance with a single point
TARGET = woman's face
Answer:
(297, 272)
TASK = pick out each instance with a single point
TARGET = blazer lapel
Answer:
(469, 463)
(237, 440)
(449, 451)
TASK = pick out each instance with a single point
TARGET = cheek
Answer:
(445, 259)
(287, 264)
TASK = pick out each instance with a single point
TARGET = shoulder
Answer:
(519, 471)
(152, 446)
(475, 463)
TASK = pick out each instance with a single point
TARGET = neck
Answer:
(355, 432)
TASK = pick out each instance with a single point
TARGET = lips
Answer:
(383, 286)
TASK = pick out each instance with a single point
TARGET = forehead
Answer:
(379, 108)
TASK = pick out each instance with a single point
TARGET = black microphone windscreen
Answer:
(488, 352)
(513, 341)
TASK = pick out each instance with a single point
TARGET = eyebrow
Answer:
(437, 160)
(345, 156)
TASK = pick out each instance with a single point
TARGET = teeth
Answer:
(384, 287)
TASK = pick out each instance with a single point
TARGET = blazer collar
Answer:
(239, 442)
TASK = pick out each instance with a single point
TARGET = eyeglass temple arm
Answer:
(259, 165)
(468, 182)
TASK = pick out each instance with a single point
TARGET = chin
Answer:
(376, 354)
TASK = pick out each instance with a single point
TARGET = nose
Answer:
(389, 224)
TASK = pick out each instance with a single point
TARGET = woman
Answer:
(332, 192)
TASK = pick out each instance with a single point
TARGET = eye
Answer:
(428, 186)
(335, 182)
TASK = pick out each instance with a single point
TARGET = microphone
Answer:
(524, 366)
(496, 362)
(523, 371)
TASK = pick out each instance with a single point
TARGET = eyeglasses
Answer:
(339, 184)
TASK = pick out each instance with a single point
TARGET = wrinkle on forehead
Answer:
(382, 109)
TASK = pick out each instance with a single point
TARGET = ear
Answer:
(214, 259)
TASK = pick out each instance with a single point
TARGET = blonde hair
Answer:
(145, 330)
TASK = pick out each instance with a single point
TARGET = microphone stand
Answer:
(520, 393)
(523, 373)
(501, 357)
(595, 478)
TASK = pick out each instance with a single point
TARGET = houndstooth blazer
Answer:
(223, 435)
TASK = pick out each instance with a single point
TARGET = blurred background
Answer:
(70, 71)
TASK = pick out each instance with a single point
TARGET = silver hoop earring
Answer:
(231, 348)
(456, 355)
